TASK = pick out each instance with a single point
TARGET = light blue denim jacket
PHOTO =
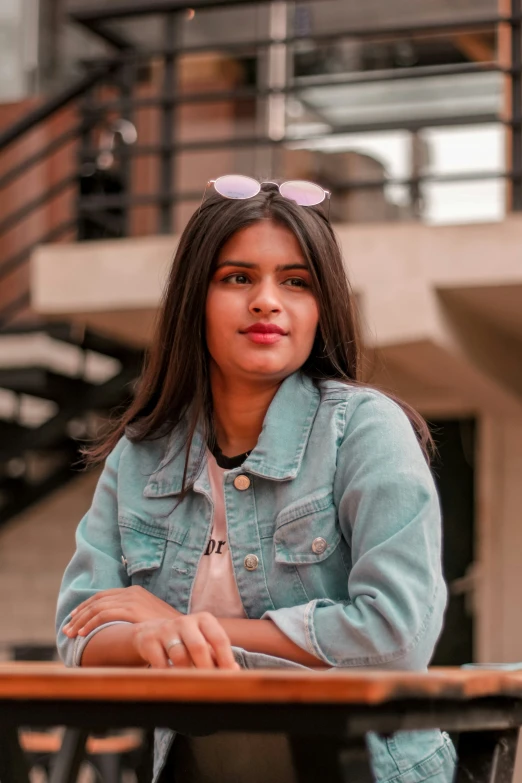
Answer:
(333, 462)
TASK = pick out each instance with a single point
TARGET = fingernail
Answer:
(81, 632)
(74, 611)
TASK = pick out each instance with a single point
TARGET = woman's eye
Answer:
(239, 279)
(296, 282)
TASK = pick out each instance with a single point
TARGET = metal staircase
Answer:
(66, 174)
(39, 449)
(111, 148)
(56, 379)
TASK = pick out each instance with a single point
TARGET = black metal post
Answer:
(487, 756)
(100, 223)
(83, 164)
(70, 756)
(109, 766)
(170, 87)
(127, 80)
(13, 764)
(516, 103)
(416, 183)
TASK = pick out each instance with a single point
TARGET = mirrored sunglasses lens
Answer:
(237, 186)
(307, 194)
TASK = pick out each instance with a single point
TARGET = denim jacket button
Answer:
(319, 546)
(251, 562)
(241, 482)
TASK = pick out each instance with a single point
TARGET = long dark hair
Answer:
(175, 381)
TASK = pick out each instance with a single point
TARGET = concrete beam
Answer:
(441, 305)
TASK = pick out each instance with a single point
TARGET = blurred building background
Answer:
(113, 116)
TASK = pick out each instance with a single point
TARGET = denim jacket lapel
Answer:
(167, 479)
(286, 428)
(279, 450)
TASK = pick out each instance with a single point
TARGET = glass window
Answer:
(465, 151)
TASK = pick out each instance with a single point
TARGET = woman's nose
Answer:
(265, 300)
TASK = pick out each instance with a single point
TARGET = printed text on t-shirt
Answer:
(212, 549)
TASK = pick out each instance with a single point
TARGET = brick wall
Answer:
(29, 186)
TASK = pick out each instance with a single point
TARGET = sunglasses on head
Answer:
(239, 186)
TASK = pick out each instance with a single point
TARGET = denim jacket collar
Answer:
(279, 450)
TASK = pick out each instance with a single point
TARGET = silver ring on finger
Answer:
(174, 643)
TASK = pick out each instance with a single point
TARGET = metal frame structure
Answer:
(166, 150)
(75, 396)
(108, 93)
(121, 72)
(327, 739)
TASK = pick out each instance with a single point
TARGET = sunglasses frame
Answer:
(326, 193)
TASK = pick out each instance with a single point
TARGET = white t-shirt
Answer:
(215, 589)
(226, 757)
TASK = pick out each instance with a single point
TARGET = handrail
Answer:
(301, 84)
(145, 150)
(18, 130)
(97, 14)
(14, 217)
(82, 131)
(97, 202)
(18, 258)
(53, 146)
(13, 308)
(57, 102)
(386, 32)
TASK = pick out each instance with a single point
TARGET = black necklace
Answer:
(228, 463)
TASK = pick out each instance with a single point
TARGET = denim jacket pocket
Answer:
(143, 548)
(307, 531)
(414, 757)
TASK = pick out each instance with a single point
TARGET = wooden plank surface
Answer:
(51, 742)
(42, 681)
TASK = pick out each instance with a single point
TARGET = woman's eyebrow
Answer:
(248, 265)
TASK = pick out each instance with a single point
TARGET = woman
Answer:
(256, 496)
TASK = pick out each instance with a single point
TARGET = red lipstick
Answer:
(261, 328)
(264, 334)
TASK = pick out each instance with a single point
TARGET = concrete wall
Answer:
(35, 547)
(394, 266)
(441, 305)
(443, 312)
(499, 540)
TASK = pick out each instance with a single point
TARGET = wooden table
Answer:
(326, 714)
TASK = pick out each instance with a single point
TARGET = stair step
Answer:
(34, 467)
(94, 341)
(54, 379)
(75, 334)
(39, 349)
(17, 495)
(41, 382)
(10, 430)
(16, 440)
(27, 409)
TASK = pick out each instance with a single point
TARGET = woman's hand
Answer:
(133, 604)
(195, 640)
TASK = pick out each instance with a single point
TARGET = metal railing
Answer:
(110, 101)
(13, 224)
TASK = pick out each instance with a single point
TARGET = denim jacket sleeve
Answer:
(389, 514)
(96, 564)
